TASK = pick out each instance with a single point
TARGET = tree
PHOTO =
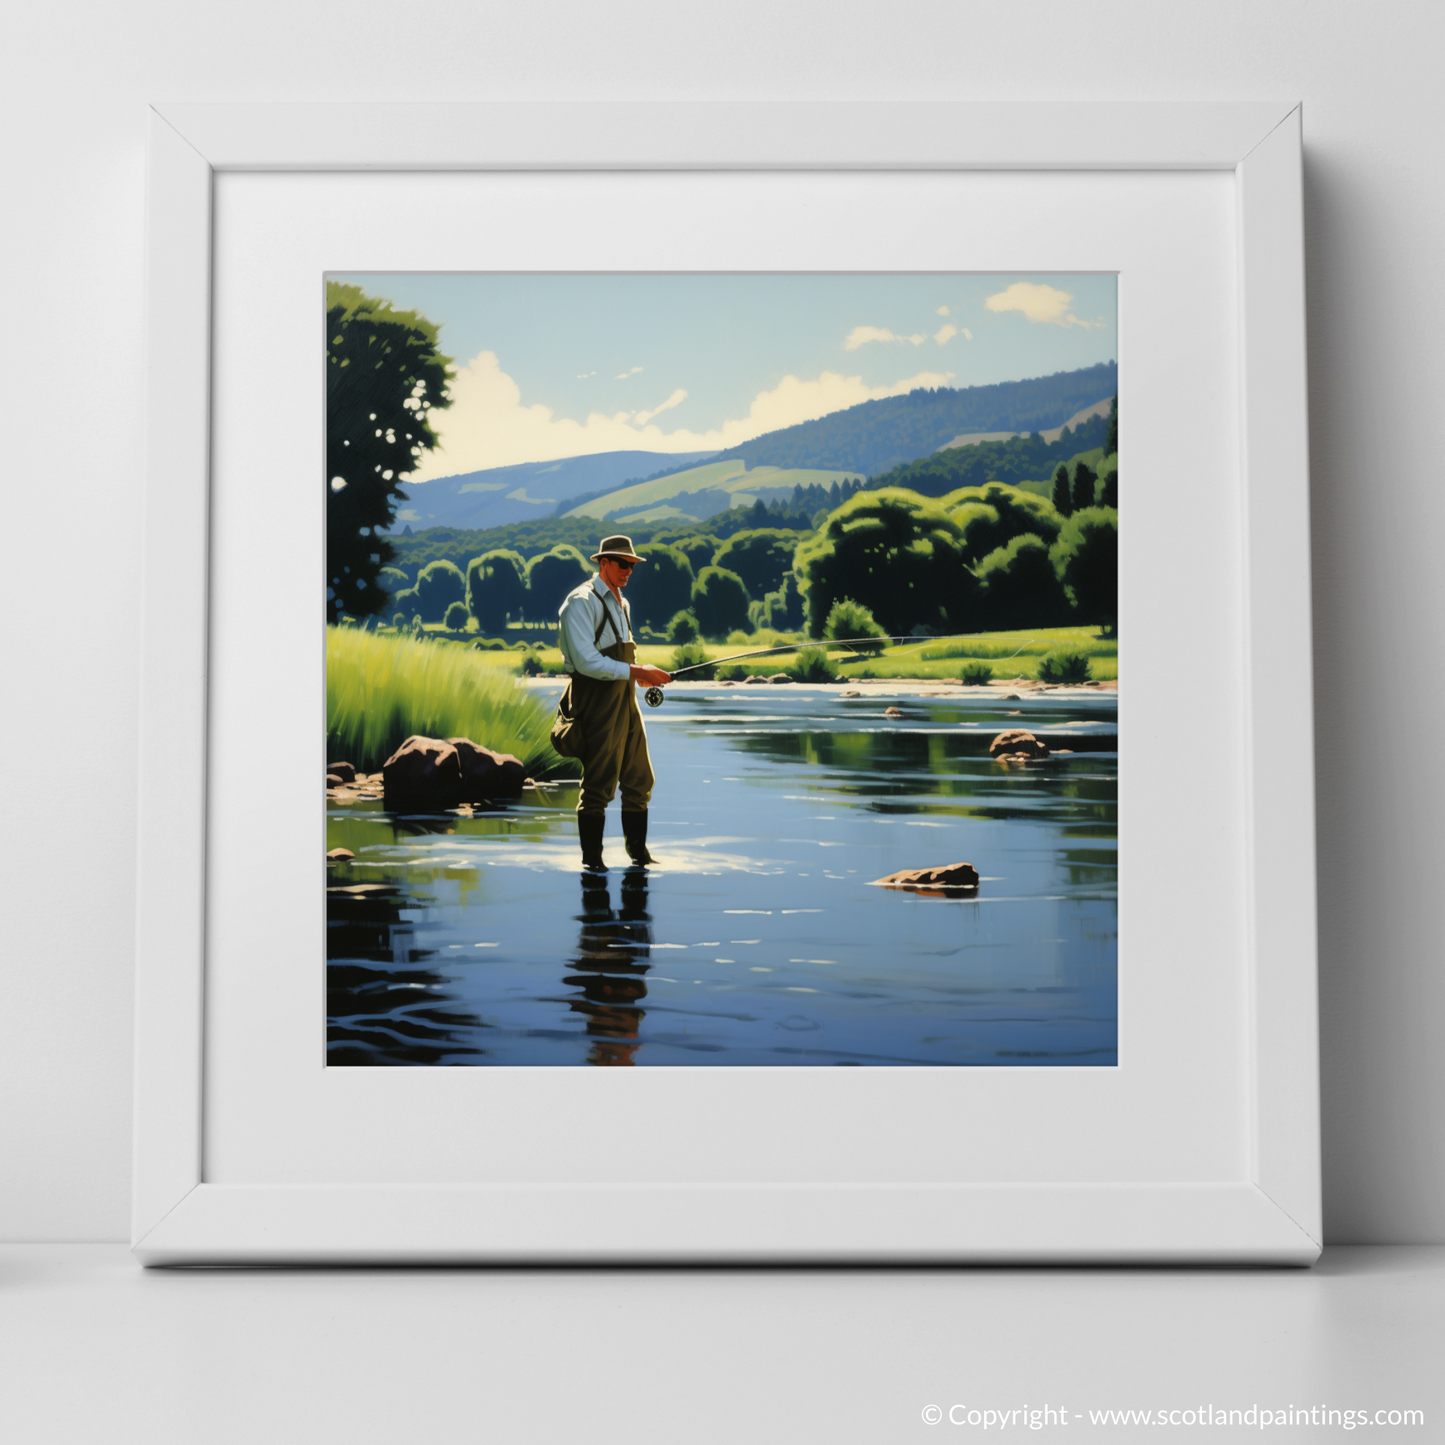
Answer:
(393, 579)
(1083, 490)
(682, 629)
(1111, 438)
(1109, 488)
(384, 375)
(550, 577)
(438, 585)
(1086, 559)
(761, 557)
(496, 589)
(848, 619)
(719, 602)
(997, 513)
(898, 554)
(1063, 502)
(698, 550)
(661, 585)
(1021, 587)
(783, 610)
(456, 618)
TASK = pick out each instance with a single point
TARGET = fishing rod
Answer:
(653, 695)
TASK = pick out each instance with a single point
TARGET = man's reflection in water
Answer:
(611, 961)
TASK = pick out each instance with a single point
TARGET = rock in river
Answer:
(1017, 742)
(342, 772)
(423, 771)
(486, 774)
(430, 772)
(339, 855)
(944, 875)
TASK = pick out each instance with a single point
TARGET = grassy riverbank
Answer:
(380, 690)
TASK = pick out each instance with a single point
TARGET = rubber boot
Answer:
(589, 830)
(634, 835)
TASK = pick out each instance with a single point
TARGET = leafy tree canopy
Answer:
(761, 557)
(1021, 587)
(660, 586)
(438, 585)
(783, 609)
(1109, 482)
(1086, 559)
(992, 515)
(682, 628)
(384, 374)
(696, 547)
(719, 602)
(899, 555)
(551, 576)
(496, 589)
(848, 619)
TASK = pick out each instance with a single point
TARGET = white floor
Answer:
(94, 1349)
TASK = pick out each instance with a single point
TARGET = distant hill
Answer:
(698, 492)
(498, 495)
(877, 436)
(1049, 434)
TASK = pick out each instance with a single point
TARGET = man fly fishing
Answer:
(598, 720)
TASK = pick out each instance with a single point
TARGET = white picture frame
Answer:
(1269, 1213)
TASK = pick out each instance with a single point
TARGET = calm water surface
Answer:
(761, 940)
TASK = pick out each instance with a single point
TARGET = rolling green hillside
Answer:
(698, 492)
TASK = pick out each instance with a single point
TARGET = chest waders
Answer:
(614, 752)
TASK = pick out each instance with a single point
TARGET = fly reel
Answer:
(653, 696)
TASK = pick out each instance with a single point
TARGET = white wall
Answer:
(79, 76)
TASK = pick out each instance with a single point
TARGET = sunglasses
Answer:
(625, 566)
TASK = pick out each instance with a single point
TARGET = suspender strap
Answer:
(606, 622)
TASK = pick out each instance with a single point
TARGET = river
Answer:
(762, 939)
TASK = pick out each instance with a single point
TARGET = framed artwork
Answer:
(911, 940)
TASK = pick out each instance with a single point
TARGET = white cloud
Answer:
(643, 417)
(967, 334)
(623, 375)
(583, 375)
(944, 311)
(1038, 303)
(946, 332)
(862, 335)
(488, 424)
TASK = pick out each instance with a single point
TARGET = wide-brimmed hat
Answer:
(617, 547)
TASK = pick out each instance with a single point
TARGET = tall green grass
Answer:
(381, 689)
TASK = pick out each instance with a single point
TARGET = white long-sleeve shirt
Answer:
(582, 609)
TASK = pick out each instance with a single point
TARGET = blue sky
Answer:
(551, 366)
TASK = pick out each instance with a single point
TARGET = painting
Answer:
(842, 785)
